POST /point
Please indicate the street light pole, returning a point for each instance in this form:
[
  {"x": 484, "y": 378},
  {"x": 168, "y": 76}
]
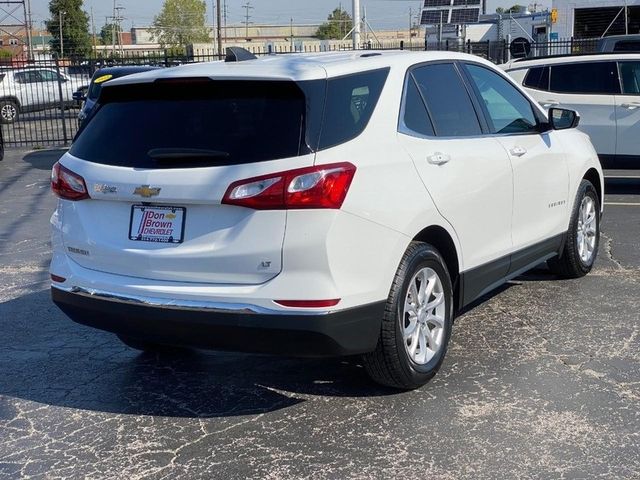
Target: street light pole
[
  {"x": 356, "y": 24},
  {"x": 60, "y": 14}
]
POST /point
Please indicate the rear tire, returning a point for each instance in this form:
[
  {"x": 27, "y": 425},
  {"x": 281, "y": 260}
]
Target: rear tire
[
  {"x": 9, "y": 111},
  {"x": 583, "y": 237},
  {"x": 417, "y": 321}
]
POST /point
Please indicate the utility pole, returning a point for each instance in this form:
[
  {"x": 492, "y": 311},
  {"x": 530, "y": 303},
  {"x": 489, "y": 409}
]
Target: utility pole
[
  {"x": 118, "y": 21},
  {"x": 292, "y": 46},
  {"x": 356, "y": 24},
  {"x": 410, "y": 27},
  {"x": 93, "y": 31},
  {"x": 113, "y": 29},
  {"x": 11, "y": 14},
  {"x": 219, "y": 18},
  {"x": 60, "y": 14},
  {"x": 247, "y": 6}
]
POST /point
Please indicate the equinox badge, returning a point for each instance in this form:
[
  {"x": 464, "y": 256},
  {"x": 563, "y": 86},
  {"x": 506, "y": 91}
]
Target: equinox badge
[{"x": 146, "y": 191}]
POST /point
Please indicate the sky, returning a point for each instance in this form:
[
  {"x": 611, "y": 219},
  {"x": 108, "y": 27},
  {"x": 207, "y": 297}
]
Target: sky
[{"x": 382, "y": 14}]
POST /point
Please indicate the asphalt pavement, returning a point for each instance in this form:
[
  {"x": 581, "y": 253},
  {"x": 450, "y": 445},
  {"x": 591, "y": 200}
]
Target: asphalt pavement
[{"x": 542, "y": 380}]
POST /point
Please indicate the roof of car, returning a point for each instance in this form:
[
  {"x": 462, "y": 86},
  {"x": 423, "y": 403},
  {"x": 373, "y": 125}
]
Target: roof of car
[
  {"x": 298, "y": 67},
  {"x": 585, "y": 57},
  {"x": 123, "y": 70}
]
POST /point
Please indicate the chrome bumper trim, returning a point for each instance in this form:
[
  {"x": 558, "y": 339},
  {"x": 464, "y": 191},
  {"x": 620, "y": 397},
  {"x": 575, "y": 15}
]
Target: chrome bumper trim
[{"x": 193, "y": 305}]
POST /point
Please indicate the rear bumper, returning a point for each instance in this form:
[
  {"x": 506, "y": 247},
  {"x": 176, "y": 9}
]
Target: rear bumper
[{"x": 346, "y": 332}]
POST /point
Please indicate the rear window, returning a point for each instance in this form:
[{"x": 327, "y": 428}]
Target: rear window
[
  {"x": 211, "y": 122},
  {"x": 627, "y": 46},
  {"x": 215, "y": 122}
]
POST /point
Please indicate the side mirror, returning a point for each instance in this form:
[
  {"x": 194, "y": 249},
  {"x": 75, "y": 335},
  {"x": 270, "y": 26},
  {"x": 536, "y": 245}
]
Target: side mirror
[
  {"x": 79, "y": 96},
  {"x": 562, "y": 119}
]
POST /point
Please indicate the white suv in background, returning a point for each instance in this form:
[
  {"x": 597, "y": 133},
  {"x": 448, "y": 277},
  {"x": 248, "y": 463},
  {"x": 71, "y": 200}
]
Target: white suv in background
[
  {"x": 313, "y": 205},
  {"x": 34, "y": 89},
  {"x": 604, "y": 89}
]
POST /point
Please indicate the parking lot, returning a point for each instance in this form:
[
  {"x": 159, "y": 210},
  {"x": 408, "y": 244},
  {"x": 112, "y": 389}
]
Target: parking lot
[{"x": 542, "y": 380}]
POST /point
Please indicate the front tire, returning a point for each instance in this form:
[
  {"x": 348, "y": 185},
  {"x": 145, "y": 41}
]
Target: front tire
[
  {"x": 583, "y": 237},
  {"x": 417, "y": 322}
]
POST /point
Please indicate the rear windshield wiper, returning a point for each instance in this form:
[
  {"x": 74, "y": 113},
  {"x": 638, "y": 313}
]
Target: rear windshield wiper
[{"x": 185, "y": 153}]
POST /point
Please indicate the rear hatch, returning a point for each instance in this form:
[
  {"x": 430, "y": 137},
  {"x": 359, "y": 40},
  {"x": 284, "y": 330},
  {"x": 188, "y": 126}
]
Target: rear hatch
[{"x": 157, "y": 160}]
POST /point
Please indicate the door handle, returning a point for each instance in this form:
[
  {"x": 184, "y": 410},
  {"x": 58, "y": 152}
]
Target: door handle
[
  {"x": 549, "y": 103},
  {"x": 631, "y": 105},
  {"x": 438, "y": 158},
  {"x": 518, "y": 151}
]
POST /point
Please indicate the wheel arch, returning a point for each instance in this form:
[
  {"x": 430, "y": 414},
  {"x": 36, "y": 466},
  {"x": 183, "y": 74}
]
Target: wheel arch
[
  {"x": 444, "y": 242},
  {"x": 13, "y": 99},
  {"x": 593, "y": 176}
]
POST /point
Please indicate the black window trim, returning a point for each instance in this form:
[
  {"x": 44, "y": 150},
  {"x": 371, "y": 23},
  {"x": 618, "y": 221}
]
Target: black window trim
[
  {"x": 402, "y": 127},
  {"x": 560, "y": 64},
  {"x": 542, "y": 122}
]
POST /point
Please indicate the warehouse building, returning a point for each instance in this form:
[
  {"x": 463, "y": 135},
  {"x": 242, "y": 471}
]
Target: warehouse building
[{"x": 596, "y": 18}]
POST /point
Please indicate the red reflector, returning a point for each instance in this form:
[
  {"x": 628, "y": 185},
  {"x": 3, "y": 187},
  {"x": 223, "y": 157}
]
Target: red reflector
[
  {"x": 308, "y": 303},
  {"x": 58, "y": 279},
  {"x": 67, "y": 184},
  {"x": 321, "y": 186}
]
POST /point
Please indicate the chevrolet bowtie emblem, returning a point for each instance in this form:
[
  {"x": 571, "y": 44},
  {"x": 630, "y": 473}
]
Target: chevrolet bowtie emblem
[{"x": 146, "y": 191}]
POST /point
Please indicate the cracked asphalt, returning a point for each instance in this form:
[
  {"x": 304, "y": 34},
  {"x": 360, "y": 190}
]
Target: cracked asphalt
[{"x": 542, "y": 380}]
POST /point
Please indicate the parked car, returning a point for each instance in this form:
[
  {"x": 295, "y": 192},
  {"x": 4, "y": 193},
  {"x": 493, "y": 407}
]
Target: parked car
[
  {"x": 33, "y": 89},
  {"x": 604, "y": 89},
  {"x": 88, "y": 96},
  {"x": 329, "y": 204},
  {"x": 619, "y": 43}
]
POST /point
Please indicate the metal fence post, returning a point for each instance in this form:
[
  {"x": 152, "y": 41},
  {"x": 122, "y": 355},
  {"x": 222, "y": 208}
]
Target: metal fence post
[{"x": 64, "y": 123}]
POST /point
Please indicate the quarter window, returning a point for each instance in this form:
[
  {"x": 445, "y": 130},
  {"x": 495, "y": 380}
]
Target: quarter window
[
  {"x": 630, "y": 73},
  {"x": 538, "y": 78},
  {"x": 508, "y": 111},
  {"x": 586, "y": 77},
  {"x": 448, "y": 101}
]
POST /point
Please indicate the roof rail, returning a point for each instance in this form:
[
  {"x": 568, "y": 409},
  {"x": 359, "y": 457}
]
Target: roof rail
[
  {"x": 568, "y": 55},
  {"x": 239, "y": 54}
]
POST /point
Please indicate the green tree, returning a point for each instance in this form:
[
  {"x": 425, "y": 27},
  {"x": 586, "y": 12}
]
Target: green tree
[
  {"x": 75, "y": 28},
  {"x": 514, "y": 9},
  {"x": 181, "y": 23},
  {"x": 338, "y": 24},
  {"x": 106, "y": 33}
]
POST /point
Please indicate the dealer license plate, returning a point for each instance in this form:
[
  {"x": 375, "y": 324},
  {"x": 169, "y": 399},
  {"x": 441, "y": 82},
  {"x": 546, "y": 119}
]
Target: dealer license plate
[{"x": 157, "y": 224}]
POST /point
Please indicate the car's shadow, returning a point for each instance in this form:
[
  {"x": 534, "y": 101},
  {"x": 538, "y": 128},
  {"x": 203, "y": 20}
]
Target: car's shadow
[
  {"x": 44, "y": 159},
  {"x": 622, "y": 186},
  {"x": 46, "y": 358}
]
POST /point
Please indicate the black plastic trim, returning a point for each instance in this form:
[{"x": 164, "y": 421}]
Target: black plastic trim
[
  {"x": 481, "y": 280},
  {"x": 346, "y": 332}
]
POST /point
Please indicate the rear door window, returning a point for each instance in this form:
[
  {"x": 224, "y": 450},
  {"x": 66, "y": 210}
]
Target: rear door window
[
  {"x": 448, "y": 101},
  {"x": 195, "y": 123},
  {"x": 585, "y": 77}
]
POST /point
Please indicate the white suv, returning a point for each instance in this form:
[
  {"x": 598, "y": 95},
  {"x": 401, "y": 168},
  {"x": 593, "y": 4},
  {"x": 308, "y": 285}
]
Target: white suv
[
  {"x": 330, "y": 204},
  {"x": 604, "y": 89},
  {"x": 34, "y": 89}
]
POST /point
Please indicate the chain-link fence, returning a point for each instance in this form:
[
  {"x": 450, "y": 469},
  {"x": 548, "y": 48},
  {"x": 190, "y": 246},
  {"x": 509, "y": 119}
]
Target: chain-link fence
[{"x": 40, "y": 100}]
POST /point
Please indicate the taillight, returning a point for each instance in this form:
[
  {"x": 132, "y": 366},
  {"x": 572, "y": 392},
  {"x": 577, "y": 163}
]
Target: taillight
[
  {"x": 322, "y": 186},
  {"x": 67, "y": 184}
]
